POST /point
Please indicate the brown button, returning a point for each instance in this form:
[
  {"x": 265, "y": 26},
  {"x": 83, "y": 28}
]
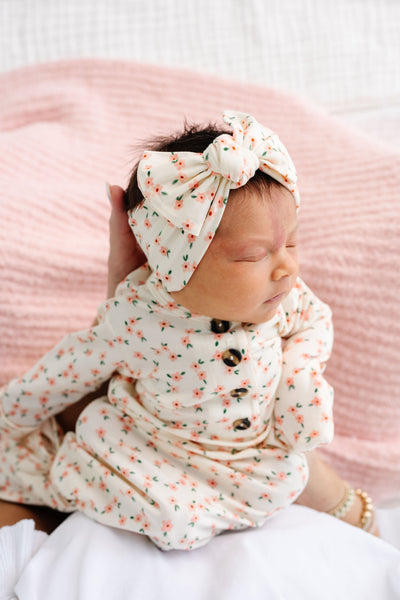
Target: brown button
[
  {"x": 218, "y": 326},
  {"x": 231, "y": 357},
  {"x": 241, "y": 424},
  {"x": 239, "y": 392}
]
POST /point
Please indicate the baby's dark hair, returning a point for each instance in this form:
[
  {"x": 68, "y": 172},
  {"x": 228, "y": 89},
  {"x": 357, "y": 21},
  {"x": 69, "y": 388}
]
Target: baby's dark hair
[{"x": 194, "y": 138}]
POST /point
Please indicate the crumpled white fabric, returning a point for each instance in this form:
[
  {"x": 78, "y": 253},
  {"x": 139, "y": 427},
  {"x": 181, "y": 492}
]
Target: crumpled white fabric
[
  {"x": 299, "y": 554},
  {"x": 17, "y": 546}
]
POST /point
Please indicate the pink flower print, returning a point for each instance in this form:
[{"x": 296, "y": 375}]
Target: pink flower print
[
  {"x": 166, "y": 526},
  {"x": 219, "y": 389},
  {"x": 125, "y": 472},
  {"x": 147, "y": 224},
  {"x": 146, "y": 525},
  {"x": 157, "y": 189},
  {"x": 176, "y": 376},
  {"x": 173, "y": 356},
  {"x": 201, "y": 198},
  {"x": 164, "y": 251},
  {"x": 292, "y": 410},
  {"x": 109, "y": 508},
  {"x": 226, "y": 403},
  {"x": 202, "y": 375},
  {"x": 101, "y": 432},
  {"x": 325, "y": 418},
  {"x": 149, "y": 182},
  {"x": 290, "y": 382},
  {"x": 186, "y": 341},
  {"x": 197, "y": 393},
  {"x": 190, "y": 238},
  {"x": 300, "y": 419},
  {"x": 176, "y": 404},
  {"x": 195, "y": 366},
  {"x": 264, "y": 496},
  {"x": 188, "y": 225},
  {"x": 209, "y": 237},
  {"x": 281, "y": 476},
  {"x": 195, "y": 184},
  {"x": 316, "y": 401},
  {"x": 213, "y": 483},
  {"x": 122, "y": 521},
  {"x": 178, "y": 203},
  {"x": 148, "y": 481}
]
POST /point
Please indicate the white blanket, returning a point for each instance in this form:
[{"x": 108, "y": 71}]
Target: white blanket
[{"x": 300, "y": 554}]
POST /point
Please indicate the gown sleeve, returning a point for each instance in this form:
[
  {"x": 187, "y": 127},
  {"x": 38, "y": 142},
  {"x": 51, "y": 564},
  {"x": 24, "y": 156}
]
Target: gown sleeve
[
  {"x": 304, "y": 399},
  {"x": 73, "y": 368}
]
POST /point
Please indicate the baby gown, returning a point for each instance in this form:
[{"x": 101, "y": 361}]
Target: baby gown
[{"x": 204, "y": 427}]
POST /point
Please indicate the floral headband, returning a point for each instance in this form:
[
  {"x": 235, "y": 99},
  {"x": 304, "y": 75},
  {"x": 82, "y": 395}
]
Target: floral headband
[{"x": 185, "y": 194}]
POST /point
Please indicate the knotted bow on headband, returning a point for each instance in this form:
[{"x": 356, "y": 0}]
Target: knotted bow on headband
[{"x": 186, "y": 192}]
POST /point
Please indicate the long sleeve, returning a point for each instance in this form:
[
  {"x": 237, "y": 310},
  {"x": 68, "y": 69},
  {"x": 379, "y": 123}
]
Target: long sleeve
[
  {"x": 304, "y": 399},
  {"x": 73, "y": 368}
]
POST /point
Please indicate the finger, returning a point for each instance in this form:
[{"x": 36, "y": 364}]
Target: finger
[{"x": 115, "y": 194}]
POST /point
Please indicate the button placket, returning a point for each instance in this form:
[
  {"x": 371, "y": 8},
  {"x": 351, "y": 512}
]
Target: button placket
[{"x": 239, "y": 371}]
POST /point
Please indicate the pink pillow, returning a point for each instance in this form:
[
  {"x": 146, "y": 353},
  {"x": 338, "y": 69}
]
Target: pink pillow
[{"x": 67, "y": 127}]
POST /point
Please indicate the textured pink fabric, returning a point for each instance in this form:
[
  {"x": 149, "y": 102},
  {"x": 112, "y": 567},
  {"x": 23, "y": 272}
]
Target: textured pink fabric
[{"x": 67, "y": 127}]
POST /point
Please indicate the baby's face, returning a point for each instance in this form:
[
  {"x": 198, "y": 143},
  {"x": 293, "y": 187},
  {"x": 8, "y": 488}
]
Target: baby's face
[{"x": 251, "y": 264}]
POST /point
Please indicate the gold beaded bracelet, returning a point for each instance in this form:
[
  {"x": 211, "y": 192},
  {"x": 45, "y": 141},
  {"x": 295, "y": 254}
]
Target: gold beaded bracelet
[
  {"x": 367, "y": 517},
  {"x": 342, "y": 508}
]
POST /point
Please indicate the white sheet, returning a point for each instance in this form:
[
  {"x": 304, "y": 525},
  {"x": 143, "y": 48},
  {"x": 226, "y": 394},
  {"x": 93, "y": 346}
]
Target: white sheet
[
  {"x": 300, "y": 554},
  {"x": 342, "y": 54}
]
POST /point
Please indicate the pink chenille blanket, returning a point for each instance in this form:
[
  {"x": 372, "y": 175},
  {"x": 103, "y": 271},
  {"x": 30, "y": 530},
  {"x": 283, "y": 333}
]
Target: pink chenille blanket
[{"x": 68, "y": 127}]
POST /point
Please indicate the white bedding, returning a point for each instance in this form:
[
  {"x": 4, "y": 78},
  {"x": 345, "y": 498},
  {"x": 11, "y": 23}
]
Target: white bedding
[
  {"x": 299, "y": 554},
  {"x": 344, "y": 55}
]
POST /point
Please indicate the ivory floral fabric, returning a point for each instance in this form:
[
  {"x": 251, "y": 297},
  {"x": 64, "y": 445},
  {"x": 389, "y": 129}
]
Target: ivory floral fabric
[{"x": 204, "y": 427}]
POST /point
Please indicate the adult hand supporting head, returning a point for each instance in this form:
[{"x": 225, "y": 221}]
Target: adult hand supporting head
[{"x": 125, "y": 254}]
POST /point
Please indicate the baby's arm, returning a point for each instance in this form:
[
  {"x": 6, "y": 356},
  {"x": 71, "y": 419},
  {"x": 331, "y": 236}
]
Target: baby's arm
[
  {"x": 304, "y": 399},
  {"x": 76, "y": 366}
]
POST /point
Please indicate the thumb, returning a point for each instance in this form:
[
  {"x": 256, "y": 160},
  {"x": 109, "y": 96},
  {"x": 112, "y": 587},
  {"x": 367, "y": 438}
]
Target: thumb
[{"x": 115, "y": 194}]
